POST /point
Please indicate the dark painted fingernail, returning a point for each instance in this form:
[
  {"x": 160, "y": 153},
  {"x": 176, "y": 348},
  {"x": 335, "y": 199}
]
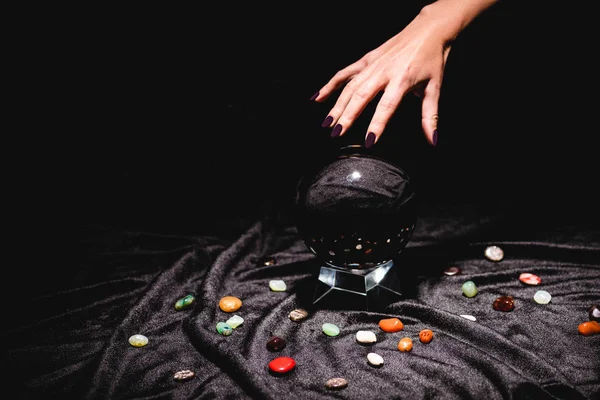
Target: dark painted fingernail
[
  {"x": 370, "y": 140},
  {"x": 327, "y": 121},
  {"x": 434, "y": 139},
  {"x": 314, "y": 96},
  {"x": 337, "y": 129}
]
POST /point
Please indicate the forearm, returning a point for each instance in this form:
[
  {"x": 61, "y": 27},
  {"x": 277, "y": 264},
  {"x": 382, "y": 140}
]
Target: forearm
[{"x": 454, "y": 15}]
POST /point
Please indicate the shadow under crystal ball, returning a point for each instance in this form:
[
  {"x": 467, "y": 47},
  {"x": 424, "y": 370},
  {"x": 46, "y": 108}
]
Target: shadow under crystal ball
[{"x": 356, "y": 211}]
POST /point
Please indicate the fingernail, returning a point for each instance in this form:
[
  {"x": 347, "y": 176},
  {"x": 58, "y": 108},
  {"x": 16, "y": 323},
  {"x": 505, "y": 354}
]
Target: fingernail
[
  {"x": 337, "y": 129},
  {"x": 327, "y": 122},
  {"x": 434, "y": 139},
  {"x": 370, "y": 140},
  {"x": 314, "y": 96}
]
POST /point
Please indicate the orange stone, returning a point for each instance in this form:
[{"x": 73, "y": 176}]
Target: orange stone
[
  {"x": 426, "y": 335},
  {"x": 391, "y": 325},
  {"x": 230, "y": 304},
  {"x": 589, "y": 328},
  {"x": 405, "y": 344}
]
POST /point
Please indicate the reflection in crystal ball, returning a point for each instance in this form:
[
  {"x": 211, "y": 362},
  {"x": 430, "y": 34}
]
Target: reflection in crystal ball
[{"x": 356, "y": 211}]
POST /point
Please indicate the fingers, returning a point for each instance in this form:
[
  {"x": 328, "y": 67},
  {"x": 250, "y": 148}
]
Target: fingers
[
  {"x": 389, "y": 102},
  {"x": 340, "y": 78},
  {"x": 429, "y": 111}
]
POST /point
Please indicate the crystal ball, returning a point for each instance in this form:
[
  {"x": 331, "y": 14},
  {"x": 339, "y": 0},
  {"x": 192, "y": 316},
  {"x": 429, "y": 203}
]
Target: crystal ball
[{"x": 355, "y": 211}]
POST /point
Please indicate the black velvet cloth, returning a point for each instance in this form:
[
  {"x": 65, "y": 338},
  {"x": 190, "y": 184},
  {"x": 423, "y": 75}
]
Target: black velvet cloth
[{"x": 197, "y": 128}]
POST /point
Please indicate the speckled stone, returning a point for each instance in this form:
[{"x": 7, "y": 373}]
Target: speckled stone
[
  {"x": 235, "y": 321},
  {"x": 504, "y": 303},
  {"x": 594, "y": 313},
  {"x": 224, "y": 329},
  {"x": 330, "y": 329},
  {"x": 277, "y": 285},
  {"x": 366, "y": 337},
  {"x": 336, "y": 383},
  {"x": 542, "y": 297},
  {"x": 453, "y": 270},
  {"x": 298, "y": 314},
  {"x": 282, "y": 365},
  {"x": 230, "y": 304},
  {"x": 276, "y": 343},
  {"x": 530, "y": 279},
  {"x": 426, "y": 336},
  {"x": 185, "y": 302},
  {"x": 494, "y": 253},
  {"x": 184, "y": 375},
  {"x": 405, "y": 344},
  {"x": 375, "y": 359},
  {"x": 469, "y": 289},
  {"x": 138, "y": 340}
]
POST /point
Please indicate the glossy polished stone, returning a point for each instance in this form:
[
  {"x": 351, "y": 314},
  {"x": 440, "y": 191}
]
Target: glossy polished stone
[
  {"x": 138, "y": 340},
  {"x": 504, "y": 303},
  {"x": 277, "y": 285},
  {"x": 298, "y": 314},
  {"x": 589, "y": 328},
  {"x": 336, "y": 383},
  {"x": 391, "y": 325},
  {"x": 469, "y": 289},
  {"x": 426, "y": 335},
  {"x": 375, "y": 359},
  {"x": 469, "y": 317},
  {"x": 235, "y": 321},
  {"x": 230, "y": 304},
  {"x": 184, "y": 375},
  {"x": 276, "y": 343},
  {"x": 594, "y": 313},
  {"x": 530, "y": 279},
  {"x": 494, "y": 253},
  {"x": 282, "y": 365},
  {"x": 366, "y": 337},
  {"x": 451, "y": 271},
  {"x": 542, "y": 297},
  {"x": 330, "y": 329},
  {"x": 224, "y": 329},
  {"x": 405, "y": 344},
  {"x": 185, "y": 302}
]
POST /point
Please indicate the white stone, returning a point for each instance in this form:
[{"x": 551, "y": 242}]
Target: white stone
[
  {"x": 375, "y": 359},
  {"x": 366, "y": 337},
  {"x": 542, "y": 297},
  {"x": 277, "y": 285},
  {"x": 469, "y": 317},
  {"x": 494, "y": 253},
  {"x": 138, "y": 340},
  {"x": 235, "y": 321}
]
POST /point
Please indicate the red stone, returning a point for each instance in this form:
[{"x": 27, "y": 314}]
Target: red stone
[
  {"x": 504, "y": 303},
  {"x": 281, "y": 365},
  {"x": 530, "y": 279}
]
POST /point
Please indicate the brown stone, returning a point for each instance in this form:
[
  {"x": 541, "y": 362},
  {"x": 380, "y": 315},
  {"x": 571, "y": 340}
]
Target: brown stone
[
  {"x": 298, "y": 314},
  {"x": 230, "y": 304},
  {"x": 405, "y": 344},
  {"x": 184, "y": 375},
  {"x": 391, "y": 325},
  {"x": 336, "y": 383},
  {"x": 504, "y": 303},
  {"x": 426, "y": 335}
]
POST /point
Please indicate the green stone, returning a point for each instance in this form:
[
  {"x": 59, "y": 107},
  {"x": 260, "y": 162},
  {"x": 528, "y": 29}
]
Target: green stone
[
  {"x": 224, "y": 329},
  {"x": 185, "y": 302},
  {"x": 331, "y": 329},
  {"x": 234, "y": 321},
  {"x": 469, "y": 289},
  {"x": 277, "y": 285}
]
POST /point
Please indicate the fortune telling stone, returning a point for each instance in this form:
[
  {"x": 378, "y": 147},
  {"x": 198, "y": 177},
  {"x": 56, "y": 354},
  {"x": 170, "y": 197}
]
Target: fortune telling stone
[
  {"x": 375, "y": 359},
  {"x": 504, "y": 303},
  {"x": 469, "y": 289},
  {"x": 469, "y": 317},
  {"x": 494, "y": 253},
  {"x": 230, "y": 304},
  {"x": 594, "y": 313},
  {"x": 277, "y": 285},
  {"x": 366, "y": 337},
  {"x": 450, "y": 271},
  {"x": 405, "y": 344},
  {"x": 336, "y": 383},
  {"x": 224, "y": 329},
  {"x": 298, "y": 314},
  {"x": 542, "y": 297},
  {"x": 426, "y": 335},
  {"x": 185, "y": 302},
  {"x": 282, "y": 365},
  {"x": 138, "y": 340},
  {"x": 235, "y": 321},
  {"x": 589, "y": 328},
  {"x": 391, "y": 325},
  {"x": 530, "y": 279},
  {"x": 276, "y": 344},
  {"x": 184, "y": 375},
  {"x": 330, "y": 329}
]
